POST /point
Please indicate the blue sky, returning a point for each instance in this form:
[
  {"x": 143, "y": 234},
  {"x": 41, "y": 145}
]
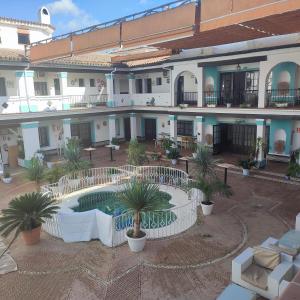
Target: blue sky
[{"x": 69, "y": 15}]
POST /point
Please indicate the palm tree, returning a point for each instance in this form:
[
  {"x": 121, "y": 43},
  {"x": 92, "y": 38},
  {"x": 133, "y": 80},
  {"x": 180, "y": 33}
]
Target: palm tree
[
  {"x": 26, "y": 213},
  {"x": 205, "y": 163},
  {"x": 140, "y": 196}
]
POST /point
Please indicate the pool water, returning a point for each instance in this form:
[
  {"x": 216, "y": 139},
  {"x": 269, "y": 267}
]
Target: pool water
[{"x": 109, "y": 203}]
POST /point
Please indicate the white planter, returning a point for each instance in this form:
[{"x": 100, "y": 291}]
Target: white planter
[
  {"x": 194, "y": 155},
  {"x": 207, "y": 209},
  {"x": 246, "y": 172},
  {"x": 117, "y": 147},
  {"x": 211, "y": 105},
  {"x": 136, "y": 245},
  {"x": 7, "y": 180},
  {"x": 281, "y": 104},
  {"x": 228, "y": 105},
  {"x": 174, "y": 162}
]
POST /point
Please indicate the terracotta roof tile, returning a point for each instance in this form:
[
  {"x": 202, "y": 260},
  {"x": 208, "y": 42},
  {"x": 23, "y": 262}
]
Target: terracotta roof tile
[
  {"x": 12, "y": 55},
  {"x": 86, "y": 60},
  {"x": 148, "y": 61}
]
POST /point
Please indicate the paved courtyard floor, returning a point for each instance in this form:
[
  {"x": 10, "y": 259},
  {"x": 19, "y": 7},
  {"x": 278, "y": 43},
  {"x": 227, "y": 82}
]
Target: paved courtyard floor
[{"x": 193, "y": 265}]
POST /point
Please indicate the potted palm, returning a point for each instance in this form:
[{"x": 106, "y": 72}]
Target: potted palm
[
  {"x": 210, "y": 187},
  {"x": 139, "y": 197},
  {"x": 173, "y": 155},
  {"x": 26, "y": 214},
  {"x": 35, "y": 171},
  {"x": 6, "y": 177}
]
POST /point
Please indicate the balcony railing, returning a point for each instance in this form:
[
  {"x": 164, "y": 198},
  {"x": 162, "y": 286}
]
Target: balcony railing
[
  {"x": 243, "y": 98},
  {"x": 16, "y": 104},
  {"x": 190, "y": 98},
  {"x": 283, "y": 97}
]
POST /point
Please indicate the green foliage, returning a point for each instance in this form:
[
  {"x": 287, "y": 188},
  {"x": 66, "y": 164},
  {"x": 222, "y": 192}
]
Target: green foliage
[
  {"x": 81, "y": 165},
  {"x": 173, "y": 153},
  {"x": 205, "y": 163},
  {"x": 54, "y": 174},
  {"x": 6, "y": 174},
  {"x": 293, "y": 169},
  {"x": 115, "y": 141},
  {"x": 136, "y": 153},
  {"x": 35, "y": 171},
  {"x": 166, "y": 143},
  {"x": 138, "y": 197},
  {"x": 246, "y": 164},
  {"x": 72, "y": 151},
  {"x": 21, "y": 151},
  {"x": 212, "y": 186},
  {"x": 26, "y": 213}
]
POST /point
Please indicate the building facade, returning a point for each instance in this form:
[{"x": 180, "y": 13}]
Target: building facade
[{"x": 226, "y": 97}]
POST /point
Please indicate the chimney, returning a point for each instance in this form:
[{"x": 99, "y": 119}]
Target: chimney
[{"x": 44, "y": 15}]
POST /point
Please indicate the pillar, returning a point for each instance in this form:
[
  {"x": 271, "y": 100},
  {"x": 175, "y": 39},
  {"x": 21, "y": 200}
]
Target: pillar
[
  {"x": 131, "y": 82},
  {"x": 200, "y": 87},
  {"x": 112, "y": 127},
  {"x": 25, "y": 85},
  {"x": 110, "y": 89},
  {"x": 31, "y": 140},
  {"x": 67, "y": 130},
  {"x": 133, "y": 126},
  {"x": 173, "y": 128},
  {"x": 260, "y": 136},
  {"x": 200, "y": 129},
  {"x": 63, "y": 82},
  {"x": 263, "y": 74}
]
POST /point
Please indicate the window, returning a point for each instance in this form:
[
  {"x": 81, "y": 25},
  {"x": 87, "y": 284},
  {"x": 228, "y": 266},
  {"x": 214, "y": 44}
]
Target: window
[
  {"x": 92, "y": 82},
  {"x": 2, "y": 87},
  {"x": 185, "y": 128},
  {"x": 81, "y": 82},
  {"x": 23, "y": 38},
  {"x": 158, "y": 81},
  {"x": 252, "y": 81},
  {"x": 139, "y": 86},
  {"x": 148, "y": 83},
  {"x": 118, "y": 127},
  {"x": 40, "y": 88},
  {"x": 44, "y": 136}
]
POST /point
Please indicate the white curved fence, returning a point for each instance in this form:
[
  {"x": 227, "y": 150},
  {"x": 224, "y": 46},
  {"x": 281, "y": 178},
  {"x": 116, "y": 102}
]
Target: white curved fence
[{"x": 175, "y": 220}]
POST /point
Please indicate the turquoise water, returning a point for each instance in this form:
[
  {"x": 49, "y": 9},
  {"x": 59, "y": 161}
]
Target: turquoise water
[{"x": 109, "y": 203}]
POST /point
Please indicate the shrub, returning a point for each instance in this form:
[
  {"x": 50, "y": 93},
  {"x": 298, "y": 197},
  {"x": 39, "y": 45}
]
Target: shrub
[
  {"x": 136, "y": 153},
  {"x": 54, "y": 174}
]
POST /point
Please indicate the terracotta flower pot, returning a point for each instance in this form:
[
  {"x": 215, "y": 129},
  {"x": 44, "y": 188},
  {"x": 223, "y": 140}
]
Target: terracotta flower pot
[{"x": 32, "y": 237}]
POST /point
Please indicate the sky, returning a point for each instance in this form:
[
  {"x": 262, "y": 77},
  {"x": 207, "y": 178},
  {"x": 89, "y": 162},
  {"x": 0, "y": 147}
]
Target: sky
[{"x": 70, "y": 15}]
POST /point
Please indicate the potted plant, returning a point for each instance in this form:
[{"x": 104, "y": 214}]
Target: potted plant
[
  {"x": 209, "y": 187},
  {"x": 246, "y": 164},
  {"x": 115, "y": 142},
  {"x": 173, "y": 155},
  {"x": 155, "y": 156},
  {"x": 26, "y": 214},
  {"x": 228, "y": 104},
  {"x": 21, "y": 152},
  {"x": 139, "y": 197},
  {"x": 166, "y": 144},
  {"x": 6, "y": 177},
  {"x": 35, "y": 171},
  {"x": 194, "y": 147},
  {"x": 136, "y": 153}
]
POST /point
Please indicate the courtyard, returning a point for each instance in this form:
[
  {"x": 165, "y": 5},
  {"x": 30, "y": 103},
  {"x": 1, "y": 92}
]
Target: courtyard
[{"x": 195, "y": 264}]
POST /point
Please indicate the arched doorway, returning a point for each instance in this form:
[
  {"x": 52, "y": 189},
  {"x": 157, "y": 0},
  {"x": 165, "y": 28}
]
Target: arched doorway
[
  {"x": 186, "y": 89},
  {"x": 283, "y": 85}
]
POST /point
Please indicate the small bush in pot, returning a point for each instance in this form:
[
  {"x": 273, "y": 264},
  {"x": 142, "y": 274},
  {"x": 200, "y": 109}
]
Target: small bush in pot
[
  {"x": 6, "y": 177},
  {"x": 173, "y": 155},
  {"x": 35, "y": 171},
  {"x": 246, "y": 164},
  {"x": 139, "y": 196},
  {"x": 116, "y": 143},
  {"x": 54, "y": 174},
  {"x": 25, "y": 214}
]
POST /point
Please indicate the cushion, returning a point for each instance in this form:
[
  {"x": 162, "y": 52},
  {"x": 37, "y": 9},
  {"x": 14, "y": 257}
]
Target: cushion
[
  {"x": 291, "y": 252},
  {"x": 290, "y": 240},
  {"x": 257, "y": 276},
  {"x": 266, "y": 258}
]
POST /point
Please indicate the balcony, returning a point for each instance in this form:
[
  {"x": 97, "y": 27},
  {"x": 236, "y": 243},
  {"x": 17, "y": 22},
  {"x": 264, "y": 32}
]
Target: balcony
[
  {"x": 281, "y": 98},
  {"x": 187, "y": 98},
  {"x": 16, "y": 104},
  {"x": 238, "y": 98}
]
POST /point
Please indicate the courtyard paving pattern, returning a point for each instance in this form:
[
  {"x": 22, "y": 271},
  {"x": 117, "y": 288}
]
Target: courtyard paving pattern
[{"x": 193, "y": 265}]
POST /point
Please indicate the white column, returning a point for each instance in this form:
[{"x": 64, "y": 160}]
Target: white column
[
  {"x": 63, "y": 82},
  {"x": 200, "y": 129},
  {"x": 200, "y": 87},
  {"x": 67, "y": 130},
  {"x": 112, "y": 126},
  {"x": 133, "y": 133},
  {"x": 263, "y": 74},
  {"x": 260, "y": 136},
  {"x": 25, "y": 85},
  {"x": 173, "y": 127},
  {"x": 110, "y": 90},
  {"x": 30, "y": 134},
  {"x": 131, "y": 82}
]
